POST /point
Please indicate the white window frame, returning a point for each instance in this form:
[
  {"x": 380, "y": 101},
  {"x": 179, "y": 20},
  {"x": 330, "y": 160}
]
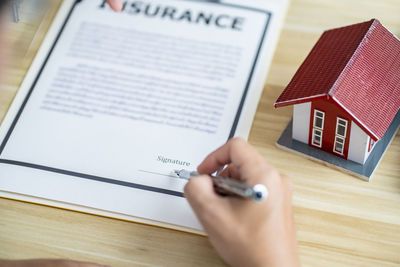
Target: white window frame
[
  {"x": 316, "y": 128},
  {"x": 339, "y": 136},
  {"x": 320, "y": 137},
  {"x": 371, "y": 144}
]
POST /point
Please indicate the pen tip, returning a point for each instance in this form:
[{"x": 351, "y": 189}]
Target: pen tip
[{"x": 177, "y": 172}]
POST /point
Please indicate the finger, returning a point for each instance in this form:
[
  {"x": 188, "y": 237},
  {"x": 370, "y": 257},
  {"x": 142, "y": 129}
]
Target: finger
[
  {"x": 253, "y": 170},
  {"x": 251, "y": 174},
  {"x": 231, "y": 171},
  {"x": 235, "y": 151},
  {"x": 116, "y": 5}
]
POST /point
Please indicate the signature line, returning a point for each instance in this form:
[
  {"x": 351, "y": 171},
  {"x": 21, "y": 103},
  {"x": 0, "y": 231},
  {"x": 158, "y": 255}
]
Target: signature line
[{"x": 162, "y": 174}]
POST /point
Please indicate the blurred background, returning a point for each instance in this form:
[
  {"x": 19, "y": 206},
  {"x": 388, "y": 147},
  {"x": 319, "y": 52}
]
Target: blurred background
[{"x": 23, "y": 39}]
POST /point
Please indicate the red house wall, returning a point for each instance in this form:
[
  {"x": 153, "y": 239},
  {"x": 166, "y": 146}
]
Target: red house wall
[{"x": 332, "y": 111}]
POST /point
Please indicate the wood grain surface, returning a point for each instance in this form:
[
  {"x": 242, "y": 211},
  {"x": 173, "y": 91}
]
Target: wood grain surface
[{"x": 341, "y": 221}]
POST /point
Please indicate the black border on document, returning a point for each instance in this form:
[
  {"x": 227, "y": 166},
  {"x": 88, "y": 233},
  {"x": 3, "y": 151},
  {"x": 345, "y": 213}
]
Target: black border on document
[{"x": 113, "y": 181}]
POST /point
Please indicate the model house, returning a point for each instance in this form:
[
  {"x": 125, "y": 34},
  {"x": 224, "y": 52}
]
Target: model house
[{"x": 347, "y": 91}]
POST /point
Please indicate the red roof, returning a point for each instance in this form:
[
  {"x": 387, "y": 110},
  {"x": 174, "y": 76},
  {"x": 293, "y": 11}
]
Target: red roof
[{"x": 358, "y": 66}]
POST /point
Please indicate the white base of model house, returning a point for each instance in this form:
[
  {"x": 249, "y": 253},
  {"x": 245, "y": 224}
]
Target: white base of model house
[{"x": 362, "y": 171}]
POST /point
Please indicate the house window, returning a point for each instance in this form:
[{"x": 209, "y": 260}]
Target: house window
[
  {"x": 318, "y": 128},
  {"x": 371, "y": 144},
  {"x": 340, "y": 136}
]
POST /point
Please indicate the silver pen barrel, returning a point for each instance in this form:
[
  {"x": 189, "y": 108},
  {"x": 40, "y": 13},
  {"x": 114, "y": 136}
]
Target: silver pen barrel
[
  {"x": 14, "y": 8},
  {"x": 229, "y": 186}
]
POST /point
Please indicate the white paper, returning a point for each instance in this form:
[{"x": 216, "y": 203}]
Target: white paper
[{"x": 125, "y": 98}]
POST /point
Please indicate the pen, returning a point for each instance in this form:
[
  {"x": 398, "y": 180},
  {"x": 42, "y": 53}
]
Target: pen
[
  {"x": 14, "y": 8},
  {"x": 229, "y": 186}
]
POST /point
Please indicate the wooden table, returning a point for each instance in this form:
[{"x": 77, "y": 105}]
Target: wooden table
[{"x": 341, "y": 221}]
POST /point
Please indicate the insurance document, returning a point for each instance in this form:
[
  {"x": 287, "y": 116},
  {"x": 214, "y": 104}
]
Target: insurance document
[{"x": 115, "y": 102}]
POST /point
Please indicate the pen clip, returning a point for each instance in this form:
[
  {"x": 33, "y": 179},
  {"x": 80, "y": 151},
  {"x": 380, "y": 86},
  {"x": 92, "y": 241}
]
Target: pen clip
[
  {"x": 15, "y": 10},
  {"x": 229, "y": 187},
  {"x": 222, "y": 192}
]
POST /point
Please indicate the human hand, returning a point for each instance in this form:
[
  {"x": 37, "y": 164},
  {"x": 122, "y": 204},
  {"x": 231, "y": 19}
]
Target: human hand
[
  {"x": 46, "y": 263},
  {"x": 243, "y": 232},
  {"x": 116, "y": 5}
]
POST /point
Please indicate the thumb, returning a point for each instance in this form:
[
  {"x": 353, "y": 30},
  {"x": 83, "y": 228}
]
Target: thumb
[{"x": 116, "y": 5}]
